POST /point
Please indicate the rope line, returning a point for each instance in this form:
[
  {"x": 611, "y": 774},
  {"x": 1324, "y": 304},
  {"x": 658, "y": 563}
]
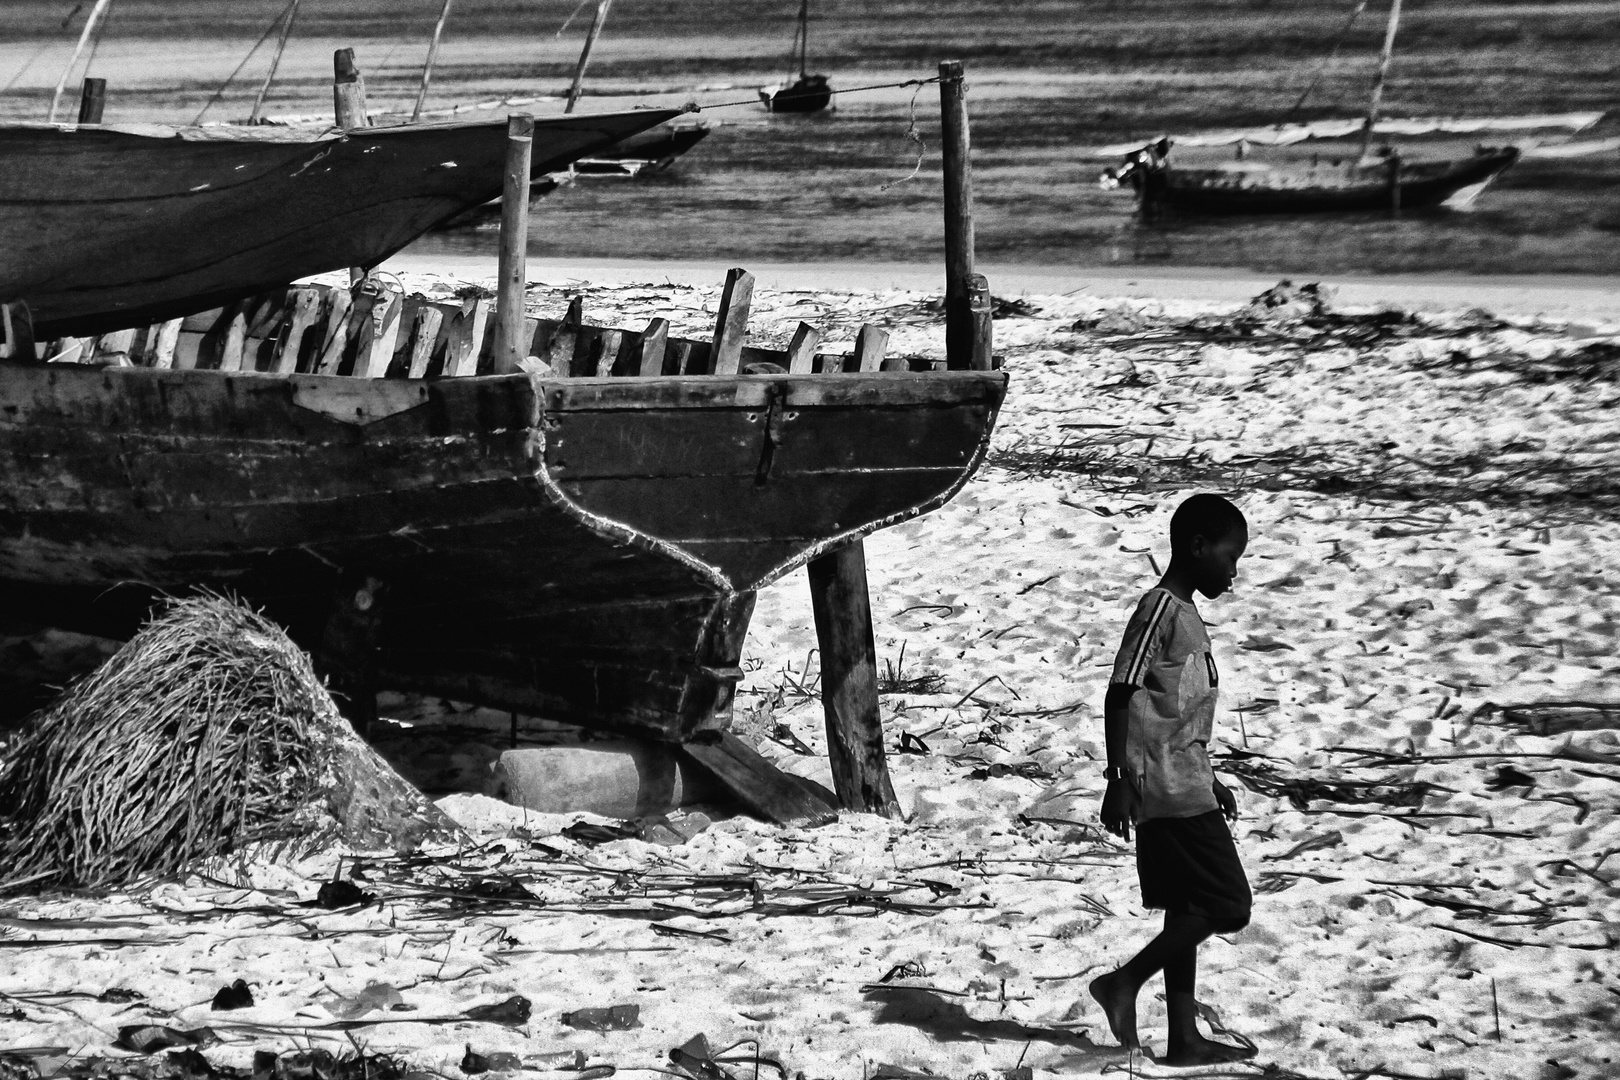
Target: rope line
[
  {"x": 912, "y": 134},
  {"x": 695, "y": 107},
  {"x": 268, "y": 30}
]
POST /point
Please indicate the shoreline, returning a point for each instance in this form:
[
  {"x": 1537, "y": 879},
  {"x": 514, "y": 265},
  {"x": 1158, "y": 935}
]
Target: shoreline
[{"x": 1560, "y": 296}]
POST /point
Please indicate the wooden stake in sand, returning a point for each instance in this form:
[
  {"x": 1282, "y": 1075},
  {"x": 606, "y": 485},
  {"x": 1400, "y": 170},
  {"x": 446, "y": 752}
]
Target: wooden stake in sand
[
  {"x": 967, "y": 303},
  {"x": 511, "y": 343}
]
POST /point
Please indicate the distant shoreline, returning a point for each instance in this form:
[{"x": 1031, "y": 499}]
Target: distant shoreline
[{"x": 1561, "y": 296}]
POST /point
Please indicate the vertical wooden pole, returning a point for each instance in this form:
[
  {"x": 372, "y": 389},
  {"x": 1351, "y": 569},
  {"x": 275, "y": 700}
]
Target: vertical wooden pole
[
  {"x": 348, "y": 91},
  {"x": 802, "y": 349},
  {"x": 654, "y": 343},
  {"x": 962, "y": 345},
  {"x": 849, "y": 698},
  {"x": 432, "y": 58},
  {"x": 257, "y": 114},
  {"x": 511, "y": 345},
  {"x": 92, "y": 100},
  {"x": 870, "y": 346},
  {"x": 731, "y": 323},
  {"x": 90, "y": 24},
  {"x": 585, "y": 54}
]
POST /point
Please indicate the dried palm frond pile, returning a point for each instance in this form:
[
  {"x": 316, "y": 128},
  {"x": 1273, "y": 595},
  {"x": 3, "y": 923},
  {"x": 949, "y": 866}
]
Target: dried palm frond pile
[{"x": 209, "y": 730}]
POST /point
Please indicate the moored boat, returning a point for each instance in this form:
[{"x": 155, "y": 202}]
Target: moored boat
[
  {"x": 804, "y": 93},
  {"x": 106, "y": 227}
]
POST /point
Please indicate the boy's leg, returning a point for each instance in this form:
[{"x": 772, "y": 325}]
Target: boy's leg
[
  {"x": 1185, "y": 1045},
  {"x": 1116, "y": 992}
]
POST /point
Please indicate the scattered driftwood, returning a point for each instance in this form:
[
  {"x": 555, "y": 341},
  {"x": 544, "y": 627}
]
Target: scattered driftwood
[{"x": 206, "y": 732}]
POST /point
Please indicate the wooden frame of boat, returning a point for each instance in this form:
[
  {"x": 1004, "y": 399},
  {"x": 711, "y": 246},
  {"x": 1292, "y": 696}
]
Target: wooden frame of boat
[{"x": 582, "y": 540}]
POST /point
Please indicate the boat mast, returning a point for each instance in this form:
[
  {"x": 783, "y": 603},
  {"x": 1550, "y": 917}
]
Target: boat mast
[
  {"x": 96, "y": 15},
  {"x": 804, "y": 36},
  {"x": 1383, "y": 73},
  {"x": 432, "y": 58},
  {"x": 275, "y": 61},
  {"x": 585, "y": 53}
]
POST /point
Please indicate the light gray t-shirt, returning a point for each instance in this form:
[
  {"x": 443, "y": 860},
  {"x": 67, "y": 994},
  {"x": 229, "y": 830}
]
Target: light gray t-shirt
[{"x": 1166, "y": 655}]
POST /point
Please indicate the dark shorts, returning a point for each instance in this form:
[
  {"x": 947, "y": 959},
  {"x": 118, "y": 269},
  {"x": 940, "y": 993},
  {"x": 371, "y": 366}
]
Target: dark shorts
[{"x": 1191, "y": 864}]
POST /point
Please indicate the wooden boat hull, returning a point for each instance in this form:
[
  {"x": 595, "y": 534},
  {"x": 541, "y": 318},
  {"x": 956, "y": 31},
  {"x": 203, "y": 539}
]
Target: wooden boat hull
[
  {"x": 807, "y": 94},
  {"x": 105, "y": 228},
  {"x": 1306, "y": 190},
  {"x": 647, "y": 152},
  {"x": 587, "y": 549}
]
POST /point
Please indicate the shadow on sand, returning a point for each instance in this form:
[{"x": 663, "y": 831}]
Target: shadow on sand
[{"x": 948, "y": 1021}]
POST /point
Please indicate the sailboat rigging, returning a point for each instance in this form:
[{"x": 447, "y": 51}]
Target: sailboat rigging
[{"x": 806, "y": 93}]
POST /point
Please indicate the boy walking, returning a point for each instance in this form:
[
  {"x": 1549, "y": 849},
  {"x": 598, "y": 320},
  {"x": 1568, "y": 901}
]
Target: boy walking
[{"x": 1157, "y": 721}]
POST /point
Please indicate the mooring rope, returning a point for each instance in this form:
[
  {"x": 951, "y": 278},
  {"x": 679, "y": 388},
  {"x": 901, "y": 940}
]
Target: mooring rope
[
  {"x": 916, "y": 137},
  {"x": 268, "y": 30}
]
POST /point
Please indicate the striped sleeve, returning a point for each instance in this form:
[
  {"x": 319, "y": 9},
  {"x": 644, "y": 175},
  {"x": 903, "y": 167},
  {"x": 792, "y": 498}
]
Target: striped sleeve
[{"x": 1144, "y": 639}]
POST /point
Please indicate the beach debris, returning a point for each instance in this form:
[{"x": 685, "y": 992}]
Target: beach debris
[
  {"x": 150, "y": 1038},
  {"x": 495, "y": 1061},
  {"x": 604, "y": 1018},
  {"x": 206, "y": 732},
  {"x": 375, "y": 996},
  {"x": 341, "y": 894},
  {"x": 235, "y": 996},
  {"x": 1507, "y": 776}
]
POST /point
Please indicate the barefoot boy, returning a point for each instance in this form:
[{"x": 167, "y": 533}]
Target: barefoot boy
[{"x": 1157, "y": 719}]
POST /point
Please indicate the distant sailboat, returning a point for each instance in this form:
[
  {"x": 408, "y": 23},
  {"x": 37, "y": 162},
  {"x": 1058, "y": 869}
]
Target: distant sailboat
[
  {"x": 807, "y": 93},
  {"x": 1372, "y": 181}
]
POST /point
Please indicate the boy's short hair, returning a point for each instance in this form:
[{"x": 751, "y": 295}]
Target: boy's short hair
[{"x": 1206, "y": 515}]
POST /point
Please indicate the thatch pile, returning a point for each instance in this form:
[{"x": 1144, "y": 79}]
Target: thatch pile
[{"x": 208, "y": 731}]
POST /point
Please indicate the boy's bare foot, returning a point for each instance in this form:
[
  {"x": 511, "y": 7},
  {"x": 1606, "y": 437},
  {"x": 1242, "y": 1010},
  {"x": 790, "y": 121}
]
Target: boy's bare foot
[
  {"x": 1118, "y": 1003},
  {"x": 1201, "y": 1051}
]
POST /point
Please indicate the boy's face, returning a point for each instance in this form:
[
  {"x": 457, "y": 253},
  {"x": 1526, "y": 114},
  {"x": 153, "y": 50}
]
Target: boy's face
[{"x": 1215, "y": 561}]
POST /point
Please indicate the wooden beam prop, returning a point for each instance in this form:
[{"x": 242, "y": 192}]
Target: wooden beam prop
[
  {"x": 257, "y": 114},
  {"x": 575, "y": 88},
  {"x": 95, "y": 20},
  {"x": 306, "y": 309},
  {"x": 428, "y": 321},
  {"x": 560, "y": 349},
  {"x": 511, "y": 344},
  {"x": 963, "y": 350},
  {"x": 92, "y": 100},
  {"x": 760, "y": 786},
  {"x": 731, "y": 322},
  {"x": 348, "y": 91},
  {"x": 432, "y": 58},
  {"x": 849, "y": 697}
]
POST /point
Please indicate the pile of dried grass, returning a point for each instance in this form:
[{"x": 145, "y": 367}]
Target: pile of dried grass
[{"x": 195, "y": 738}]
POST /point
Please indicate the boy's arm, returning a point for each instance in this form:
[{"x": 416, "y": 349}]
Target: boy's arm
[{"x": 1121, "y": 801}]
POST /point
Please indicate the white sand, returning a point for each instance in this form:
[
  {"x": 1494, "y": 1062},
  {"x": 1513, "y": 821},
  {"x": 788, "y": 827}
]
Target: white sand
[{"x": 1375, "y": 625}]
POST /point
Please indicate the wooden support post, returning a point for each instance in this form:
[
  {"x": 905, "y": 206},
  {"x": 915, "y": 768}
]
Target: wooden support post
[
  {"x": 982, "y": 307},
  {"x": 92, "y": 100},
  {"x": 849, "y": 698},
  {"x": 654, "y": 341},
  {"x": 585, "y": 54},
  {"x": 801, "y": 352},
  {"x": 19, "y": 327},
  {"x": 257, "y": 114},
  {"x": 962, "y": 345},
  {"x": 337, "y": 333},
  {"x": 683, "y": 357},
  {"x": 234, "y": 338},
  {"x": 731, "y": 323},
  {"x": 348, "y": 91},
  {"x": 378, "y": 354},
  {"x": 425, "y": 336},
  {"x": 606, "y": 349},
  {"x": 113, "y": 349},
  {"x": 870, "y": 346},
  {"x": 511, "y": 345}
]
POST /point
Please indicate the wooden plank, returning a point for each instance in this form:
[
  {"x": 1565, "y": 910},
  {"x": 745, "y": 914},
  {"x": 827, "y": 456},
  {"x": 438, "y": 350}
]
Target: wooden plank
[
  {"x": 512, "y": 265},
  {"x": 560, "y": 348},
  {"x": 326, "y": 361},
  {"x": 464, "y": 337},
  {"x": 680, "y": 357},
  {"x": 849, "y": 697},
  {"x": 425, "y": 335},
  {"x": 233, "y": 339},
  {"x": 801, "y": 351},
  {"x": 377, "y": 350},
  {"x": 605, "y": 352},
  {"x": 19, "y": 328},
  {"x": 731, "y": 322},
  {"x": 879, "y": 388},
  {"x": 92, "y": 100},
  {"x": 168, "y": 336},
  {"x": 760, "y": 786},
  {"x": 871, "y": 344},
  {"x": 654, "y": 343},
  {"x": 306, "y": 309},
  {"x": 114, "y": 349}
]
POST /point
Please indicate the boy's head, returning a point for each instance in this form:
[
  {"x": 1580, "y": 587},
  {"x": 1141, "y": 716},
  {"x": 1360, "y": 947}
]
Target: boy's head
[{"x": 1207, "y": 537}]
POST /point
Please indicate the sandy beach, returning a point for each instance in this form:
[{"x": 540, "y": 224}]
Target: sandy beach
[{"x": 1431, "y": 505}]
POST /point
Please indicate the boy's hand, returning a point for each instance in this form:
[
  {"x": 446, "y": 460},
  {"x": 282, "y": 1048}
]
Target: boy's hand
[
  {"x": 1121, "y": 806},
  {"x": 1226, "y": 800}
]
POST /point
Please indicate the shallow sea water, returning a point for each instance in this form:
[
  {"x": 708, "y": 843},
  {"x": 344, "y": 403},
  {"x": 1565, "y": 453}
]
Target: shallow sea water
[{"x": 1046, "y": 80}]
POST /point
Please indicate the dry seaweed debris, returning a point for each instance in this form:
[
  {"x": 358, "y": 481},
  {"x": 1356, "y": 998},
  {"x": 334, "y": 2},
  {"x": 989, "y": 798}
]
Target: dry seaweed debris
[{"x": 208, "y": 731}]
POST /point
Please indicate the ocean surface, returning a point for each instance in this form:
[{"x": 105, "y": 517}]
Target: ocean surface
[{"x": 1048, "y": 82}]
